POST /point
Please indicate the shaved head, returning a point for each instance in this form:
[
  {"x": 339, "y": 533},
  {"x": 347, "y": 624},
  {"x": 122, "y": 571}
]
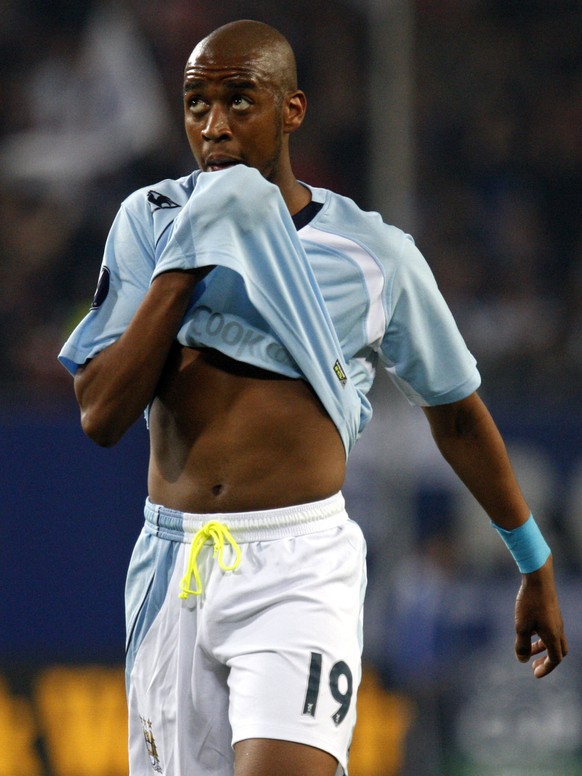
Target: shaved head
[{"x": 260, "y": 43}]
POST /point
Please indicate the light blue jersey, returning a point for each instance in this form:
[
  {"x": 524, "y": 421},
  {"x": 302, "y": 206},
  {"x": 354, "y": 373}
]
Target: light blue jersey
[{"x": 375, "y": 289}]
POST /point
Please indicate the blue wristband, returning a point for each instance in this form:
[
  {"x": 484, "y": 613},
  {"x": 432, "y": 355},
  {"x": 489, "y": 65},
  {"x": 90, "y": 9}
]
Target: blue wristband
[{"x": 527, "y": 545}]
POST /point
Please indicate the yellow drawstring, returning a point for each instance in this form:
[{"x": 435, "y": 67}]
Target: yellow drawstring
[{"x": 219, "y": 533}]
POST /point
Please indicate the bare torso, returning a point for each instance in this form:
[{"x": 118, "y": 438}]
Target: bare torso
[{"x": 227, "y": 437}]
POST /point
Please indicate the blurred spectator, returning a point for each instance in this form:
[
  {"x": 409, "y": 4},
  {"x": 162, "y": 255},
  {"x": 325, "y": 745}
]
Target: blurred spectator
[{"x": 93, "y": 101}]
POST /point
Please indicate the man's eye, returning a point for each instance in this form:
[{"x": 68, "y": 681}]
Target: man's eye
[
  {"x": 197, "y": 106},
  {"x": 241, "y": 103}
]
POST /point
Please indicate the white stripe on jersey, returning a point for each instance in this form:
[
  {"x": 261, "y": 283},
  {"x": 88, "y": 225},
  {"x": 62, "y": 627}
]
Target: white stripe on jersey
[{"x": 371, "y": 272}]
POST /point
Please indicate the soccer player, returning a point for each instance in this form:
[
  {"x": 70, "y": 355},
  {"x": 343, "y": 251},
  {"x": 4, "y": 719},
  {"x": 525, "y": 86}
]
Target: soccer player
[{"x": 246, "y": 312}]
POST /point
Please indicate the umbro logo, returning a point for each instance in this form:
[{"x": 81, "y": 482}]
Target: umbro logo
[
  {"x": 339, "y": 373},
  {"x": 160, "y": 201}
]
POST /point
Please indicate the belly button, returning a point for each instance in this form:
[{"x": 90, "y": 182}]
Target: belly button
[{"x": 216, "y": 490}]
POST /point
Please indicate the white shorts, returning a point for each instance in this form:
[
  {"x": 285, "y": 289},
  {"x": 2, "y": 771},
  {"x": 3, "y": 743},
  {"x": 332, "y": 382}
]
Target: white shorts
[{"x": 269, "y": 650}]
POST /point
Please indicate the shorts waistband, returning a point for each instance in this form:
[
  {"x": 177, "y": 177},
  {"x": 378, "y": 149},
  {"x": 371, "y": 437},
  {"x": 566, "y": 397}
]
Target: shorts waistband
[{"x": 297, "y": 520}]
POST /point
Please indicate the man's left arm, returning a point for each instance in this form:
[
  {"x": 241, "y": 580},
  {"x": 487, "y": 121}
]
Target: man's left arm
[{"x": 471, "y": 443}]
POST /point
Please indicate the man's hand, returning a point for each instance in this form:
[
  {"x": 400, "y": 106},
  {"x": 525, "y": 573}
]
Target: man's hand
[{"x": 537, "y": 612}]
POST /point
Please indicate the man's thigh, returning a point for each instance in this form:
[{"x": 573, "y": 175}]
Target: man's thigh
[{"x": 268, "y": 757}]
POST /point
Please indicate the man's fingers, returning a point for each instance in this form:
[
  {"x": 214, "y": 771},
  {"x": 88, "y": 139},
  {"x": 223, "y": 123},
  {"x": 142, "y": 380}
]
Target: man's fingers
[
  {"x": 537, "y": 647},
  {"x": 523, "y": 647},
  {"x": 556, "y": 653},
  {"x": 543, "y": 666}
]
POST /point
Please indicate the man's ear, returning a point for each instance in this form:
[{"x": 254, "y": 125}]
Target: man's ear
[{"x": 294, "y": 111}]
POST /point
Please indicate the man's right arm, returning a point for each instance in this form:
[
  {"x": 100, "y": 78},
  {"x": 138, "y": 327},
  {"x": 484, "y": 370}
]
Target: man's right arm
[{"x": 115, "y": 387}]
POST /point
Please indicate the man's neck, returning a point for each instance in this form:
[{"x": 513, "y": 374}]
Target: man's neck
[{"x": 296, "y": 196}]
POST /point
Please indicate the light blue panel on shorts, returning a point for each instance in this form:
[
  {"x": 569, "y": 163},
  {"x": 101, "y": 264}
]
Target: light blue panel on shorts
[{"x": 148, "y": 579}]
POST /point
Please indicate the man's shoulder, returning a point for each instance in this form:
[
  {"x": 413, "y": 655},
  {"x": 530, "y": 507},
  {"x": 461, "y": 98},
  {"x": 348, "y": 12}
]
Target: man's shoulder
[
  {"x": 341, "y": 216},
  {"x": 166, "y": 195}
]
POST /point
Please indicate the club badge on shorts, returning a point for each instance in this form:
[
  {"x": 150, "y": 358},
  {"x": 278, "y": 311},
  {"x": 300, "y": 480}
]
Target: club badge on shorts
[{"x": 151, "y": 747}]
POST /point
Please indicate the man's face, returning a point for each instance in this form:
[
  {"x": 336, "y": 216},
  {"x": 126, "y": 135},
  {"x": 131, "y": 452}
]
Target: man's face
[{"x": 232, "y": 113}]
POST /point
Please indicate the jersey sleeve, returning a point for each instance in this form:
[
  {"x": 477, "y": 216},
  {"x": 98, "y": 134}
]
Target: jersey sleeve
[
  {"x": 124, "y": 279},
  {"x": 423, "y": 350}
]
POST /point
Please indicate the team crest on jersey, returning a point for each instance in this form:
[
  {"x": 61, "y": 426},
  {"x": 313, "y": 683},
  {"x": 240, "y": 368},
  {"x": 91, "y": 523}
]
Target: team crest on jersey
[
  {"x": 151, "y": 747},
  {"x": 160, "y": 201},
  {"x": 102, "y": 289},
  {"x": 339, "y": 373}
]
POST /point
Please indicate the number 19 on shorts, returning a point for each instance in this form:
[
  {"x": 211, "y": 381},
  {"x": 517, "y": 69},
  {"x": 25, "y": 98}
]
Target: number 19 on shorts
[{"x": 341, "y": 685}]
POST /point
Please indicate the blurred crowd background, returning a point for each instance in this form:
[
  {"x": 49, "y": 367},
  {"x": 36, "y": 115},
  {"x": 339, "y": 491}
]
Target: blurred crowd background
[{"x": 91, "y": 110}]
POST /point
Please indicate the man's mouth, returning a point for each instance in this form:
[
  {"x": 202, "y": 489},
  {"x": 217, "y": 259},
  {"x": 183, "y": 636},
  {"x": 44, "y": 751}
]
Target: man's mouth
[{"x": 214, "y": 163}]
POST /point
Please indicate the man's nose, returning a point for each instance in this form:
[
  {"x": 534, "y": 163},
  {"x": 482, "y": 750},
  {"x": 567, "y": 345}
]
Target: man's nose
[{"x": 217, "y": 126}]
